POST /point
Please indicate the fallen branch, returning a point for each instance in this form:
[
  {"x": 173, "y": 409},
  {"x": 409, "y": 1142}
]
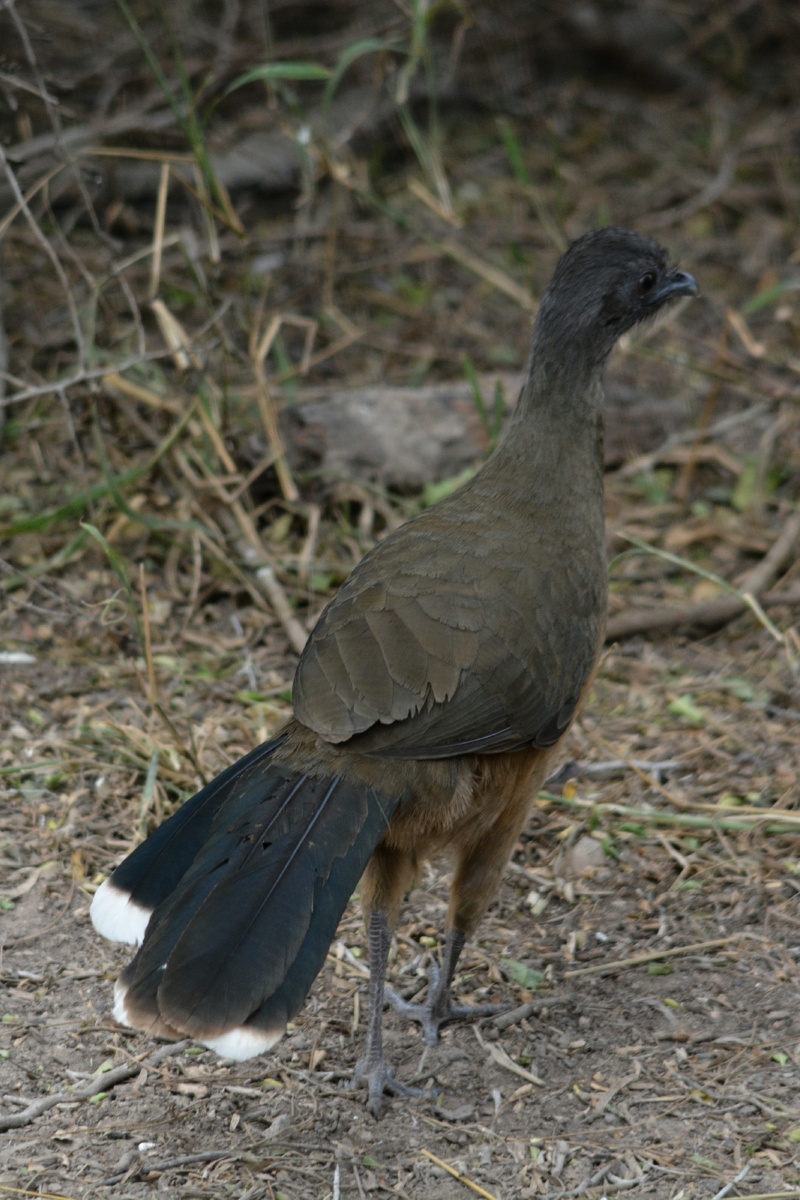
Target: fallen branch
[
  {"x": 637, "y": 960},
  {"x": 742, "y": 819},
  {"x": 98, "y": 1083},
  {"x": 707, "y": 613},
  {"x": 712, "y": 613},
  {"x": 277, "y": 597},
  {"x": 476, "y": 1187}
]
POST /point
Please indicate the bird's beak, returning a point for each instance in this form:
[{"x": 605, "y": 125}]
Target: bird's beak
[{"x": 677, "y": 283}]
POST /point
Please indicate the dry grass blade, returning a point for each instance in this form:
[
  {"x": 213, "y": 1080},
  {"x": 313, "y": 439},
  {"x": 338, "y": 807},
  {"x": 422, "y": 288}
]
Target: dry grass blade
[
  {"x": 475, "y": 1187},
  {"x": 638, "y": 960},
  {"x": 158, "y": 232},
  {"x": 175, "y": 337},
  {"x": 295, "y": 632},
  {"x": 259, "y": 349},
  {"x": 504, "y": 1060},
  {"x": 491, "y": 274}
]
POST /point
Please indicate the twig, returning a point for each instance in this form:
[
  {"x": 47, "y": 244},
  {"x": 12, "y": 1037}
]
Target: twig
[
  {"x": 729, "y": 1186},
  {"x": 98, "y": 1083},
  {"x": 718, "y": 612},
  {"x": 645, "y": 774},
  {"x": 505, "y": 1060},
  {"x": 491, "y": 274},
  {"x": 706, "y": 613},
  {"x": 617, "y": 766},
  {"x": 259, "y": 349},
  {"x": 11, "y": 1191},
  {"x": 707, "y": 195},
  {"x": 794, "y": 1194},
  {"x": 158, "y": 232},
  {"x": 282, "y": 608},
  {"x": 772, "y": 820},
  {"x": 170, "y": 1164},
  {"x": 476, "y": 1187},
  {"x": 778, "y": 555},
  {"x": 51, "y": 254},
  {"x": 507, "y": 1019},
  {"x": 682, "y": 437},
  {"x": 83, "y": 377},
  {"x": 684, "y": 482},
  {"x": 653, "y": 956},
  {"x": 152, "y": 688}
]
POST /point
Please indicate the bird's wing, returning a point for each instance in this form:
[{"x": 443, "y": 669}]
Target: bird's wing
[{"x": 442, "y": 643}]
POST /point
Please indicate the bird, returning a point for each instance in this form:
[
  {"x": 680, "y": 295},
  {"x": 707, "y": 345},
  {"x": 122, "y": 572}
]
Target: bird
[{"x": 428, "y": 704}]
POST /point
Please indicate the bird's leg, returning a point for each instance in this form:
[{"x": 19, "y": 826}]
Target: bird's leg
[
  {"x": 439, "y": 1007},
  {"x": 371, "y": 1069},
  {"x": 480, "y": 861}
]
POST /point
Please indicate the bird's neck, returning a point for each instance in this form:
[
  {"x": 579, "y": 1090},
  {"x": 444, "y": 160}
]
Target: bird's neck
[{"x": 556, "y": 429}]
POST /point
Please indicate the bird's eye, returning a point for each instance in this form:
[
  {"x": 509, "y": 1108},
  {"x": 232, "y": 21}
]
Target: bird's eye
[{"x": 647, "y": 282}]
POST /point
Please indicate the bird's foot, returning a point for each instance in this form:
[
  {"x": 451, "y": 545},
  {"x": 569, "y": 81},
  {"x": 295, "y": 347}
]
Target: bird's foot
[
  {"x": 377, "y": 1078},
  {"x": 439, "y": 1009}
]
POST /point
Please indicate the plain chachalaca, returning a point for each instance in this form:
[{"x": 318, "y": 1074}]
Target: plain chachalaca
[{"x": 428, "y": 703}]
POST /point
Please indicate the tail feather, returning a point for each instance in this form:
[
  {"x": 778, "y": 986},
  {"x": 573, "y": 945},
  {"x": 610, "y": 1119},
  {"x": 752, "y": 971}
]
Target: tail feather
[
  {"x": 231, "y": 952},
  {"x": 123, "y": 905}
]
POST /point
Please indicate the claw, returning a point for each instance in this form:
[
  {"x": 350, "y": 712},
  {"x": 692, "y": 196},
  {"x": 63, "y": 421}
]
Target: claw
[
  {"x": 378, "y": 1079},
  {"x": 371, "y": 1071},
  {"x": 439, "y": 1010}
]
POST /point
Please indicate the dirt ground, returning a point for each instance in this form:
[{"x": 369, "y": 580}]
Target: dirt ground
[
  {"x": 646, "y": 938},
  {"x": 667, "y": 1077}
]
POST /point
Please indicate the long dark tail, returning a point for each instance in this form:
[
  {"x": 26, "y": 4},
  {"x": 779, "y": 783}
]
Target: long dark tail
[{"x": 237, "y": 897}]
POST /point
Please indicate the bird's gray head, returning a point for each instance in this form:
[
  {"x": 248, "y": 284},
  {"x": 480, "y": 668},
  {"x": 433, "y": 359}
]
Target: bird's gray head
[{"x": 607, "y": 282}]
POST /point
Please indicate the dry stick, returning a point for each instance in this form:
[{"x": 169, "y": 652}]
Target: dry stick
[
  {"x": 776, "y": 557},
  {"x": 9, "y": 1191},
  {"x": 730, "y": 1186},
  {"x": 493, "y": 275},
  {"x": 684, "y": 483},
  {"x": 644, "y": 773},
  {"x": 458, "y": 1175},
  {"x": 710, "y": 613},
  {"x": 718, "y": 612},
  {"x": 51, "y": 254},
  {"x": 653, "y": 956},
  {"x": 135, "y": 391},
  {"x": 701, "y": 816},
  {"x": 295, "y": 632},
  {"x": 216, "y": 551},
  {"x": 243, "y": 518},
  {"x": 97, "y": 1084},
  {"x": 158, "y": 232},
  {"x": 83, "y": 377},
  {"x": 794, "y": 1194},
  {"x": 504, "y": 1060},
  {"x": 645, "y": 462},
  {"x": 506, "y": 1020},
  {"x": 258, "y": 352},
  {"x": 265, "y": 576},
  {"x": 175, "y": 336},
  {"x": 169, "y": 1164},
  {"x": 148, "y": 641},
  {"x": 707, "y": 195}
]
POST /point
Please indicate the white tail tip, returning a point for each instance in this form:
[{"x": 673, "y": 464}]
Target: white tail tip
[
  {"x": 244, "y": 1042},
  {"x": 117, "y": 917}
]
